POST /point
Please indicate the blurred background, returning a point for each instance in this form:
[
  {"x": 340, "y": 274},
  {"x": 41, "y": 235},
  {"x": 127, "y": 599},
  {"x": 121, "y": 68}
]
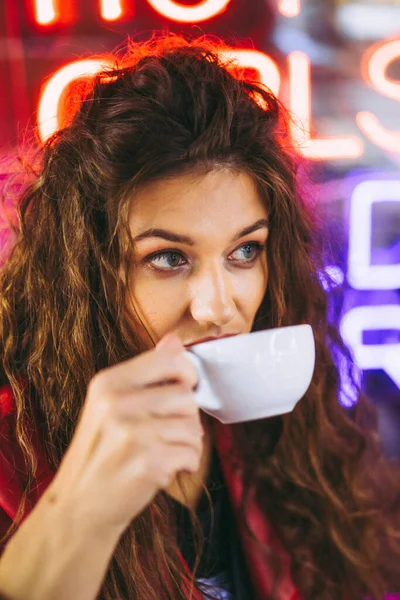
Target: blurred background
[{"x": 334, "y": 63}]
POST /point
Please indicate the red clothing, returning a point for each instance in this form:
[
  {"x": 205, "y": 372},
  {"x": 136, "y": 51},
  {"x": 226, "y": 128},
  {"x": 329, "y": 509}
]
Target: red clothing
[{"x": 11, "y": 477}]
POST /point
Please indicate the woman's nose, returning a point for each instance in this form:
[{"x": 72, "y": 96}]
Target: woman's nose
[{"x": 212, "y": 300}]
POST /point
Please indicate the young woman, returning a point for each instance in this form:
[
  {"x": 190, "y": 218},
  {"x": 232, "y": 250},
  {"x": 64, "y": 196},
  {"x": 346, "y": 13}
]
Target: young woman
[{"x": 167, "y": 211}]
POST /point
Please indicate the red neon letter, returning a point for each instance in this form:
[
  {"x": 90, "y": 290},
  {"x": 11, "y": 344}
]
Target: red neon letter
[
  {"x": 253, "y": 59},
  {"x": 379, "y": 135},
  {"x": 45, "y": 11},
  {"x": 189, "y": 14},
  {"x": 289, "y": 8},
  {"x": 374, "y": 66},
  {"x": 110, "y": 10},
  {"x": 51, "y": 92},
  {"x": 300, "y": 105}
]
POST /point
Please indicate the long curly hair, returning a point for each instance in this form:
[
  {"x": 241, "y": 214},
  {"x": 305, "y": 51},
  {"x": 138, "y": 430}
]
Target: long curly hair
[{"x": 166, "y": 107}]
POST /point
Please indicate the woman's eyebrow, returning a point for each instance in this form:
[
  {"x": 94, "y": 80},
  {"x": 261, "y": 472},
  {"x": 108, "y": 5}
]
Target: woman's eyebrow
[{"x": 184, "y": 239}]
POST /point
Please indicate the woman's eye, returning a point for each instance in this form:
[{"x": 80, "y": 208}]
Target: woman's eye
[
  {"x": 250, "y": 251},
  {"x": 172, "y": 260},
  {"x": 165, "y": 260}
]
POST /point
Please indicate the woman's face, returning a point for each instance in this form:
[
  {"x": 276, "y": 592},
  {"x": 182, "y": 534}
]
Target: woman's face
[{"x": 200, "y": 266}]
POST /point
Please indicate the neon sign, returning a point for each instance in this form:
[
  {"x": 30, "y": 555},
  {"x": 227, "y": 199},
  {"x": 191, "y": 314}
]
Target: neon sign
[
  {"x": 362, "y": 275},
  {"x": 111, "y": 10},
  {"x": 374, "y": 65},
  {"x": 202, "y": 11},
  {"x": 349, "y": 147},
  {"x": 51, "y": 92},
  {"x": 47, "y": 12},
  {"x": 300, "y": 105},
  {"x": 373, "y": 356}
]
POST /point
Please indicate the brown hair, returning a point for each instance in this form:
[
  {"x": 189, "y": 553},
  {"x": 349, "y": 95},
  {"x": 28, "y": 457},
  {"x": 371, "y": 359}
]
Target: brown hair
[{"x": 169, "y": 106}]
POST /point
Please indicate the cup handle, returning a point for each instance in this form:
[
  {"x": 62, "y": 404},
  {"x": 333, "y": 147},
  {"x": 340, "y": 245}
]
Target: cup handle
[{"x": 205, "y": 396}]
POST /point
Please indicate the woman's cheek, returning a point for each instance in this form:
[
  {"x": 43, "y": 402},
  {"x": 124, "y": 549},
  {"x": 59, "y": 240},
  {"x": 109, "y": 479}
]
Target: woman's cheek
[
  {"x": 159, "y": 302},
  {"x": 252, "y": 287}
]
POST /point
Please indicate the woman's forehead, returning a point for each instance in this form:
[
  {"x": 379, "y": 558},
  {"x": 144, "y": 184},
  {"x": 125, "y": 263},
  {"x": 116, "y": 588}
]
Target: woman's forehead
[{"x": 220, "y": 198}]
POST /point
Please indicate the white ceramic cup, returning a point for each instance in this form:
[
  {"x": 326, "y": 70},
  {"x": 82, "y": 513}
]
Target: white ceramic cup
[{"x": 254, "y": 375}]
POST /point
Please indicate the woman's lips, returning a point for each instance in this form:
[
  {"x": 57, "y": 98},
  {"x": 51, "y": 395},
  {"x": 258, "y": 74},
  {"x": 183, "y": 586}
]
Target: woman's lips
[{"x": 209, "y": 339}]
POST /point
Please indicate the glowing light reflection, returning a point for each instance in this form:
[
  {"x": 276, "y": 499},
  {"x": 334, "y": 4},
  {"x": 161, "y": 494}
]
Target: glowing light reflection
[
  {"x": 110, "y": 10},
  {"x": 333, "y": 276},
  {"x": 51, "y": 92},
  {"x": 377, "y": 133},
  {"x": 373, "y": 356},
  {"x": 289, "y": 8},
  {"x": 300, "y": 105},
  {"x": 374, "y": 66},
  {"x": 45, "y": 11},
  {"x": 362, "y": 274},
  {"x": 189, "y": 14}
]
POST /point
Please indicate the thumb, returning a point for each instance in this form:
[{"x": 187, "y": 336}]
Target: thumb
[{"x": 170, "y": 340}]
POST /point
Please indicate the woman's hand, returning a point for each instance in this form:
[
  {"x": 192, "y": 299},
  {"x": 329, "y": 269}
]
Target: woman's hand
[{"x": 135, "y": 433}]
